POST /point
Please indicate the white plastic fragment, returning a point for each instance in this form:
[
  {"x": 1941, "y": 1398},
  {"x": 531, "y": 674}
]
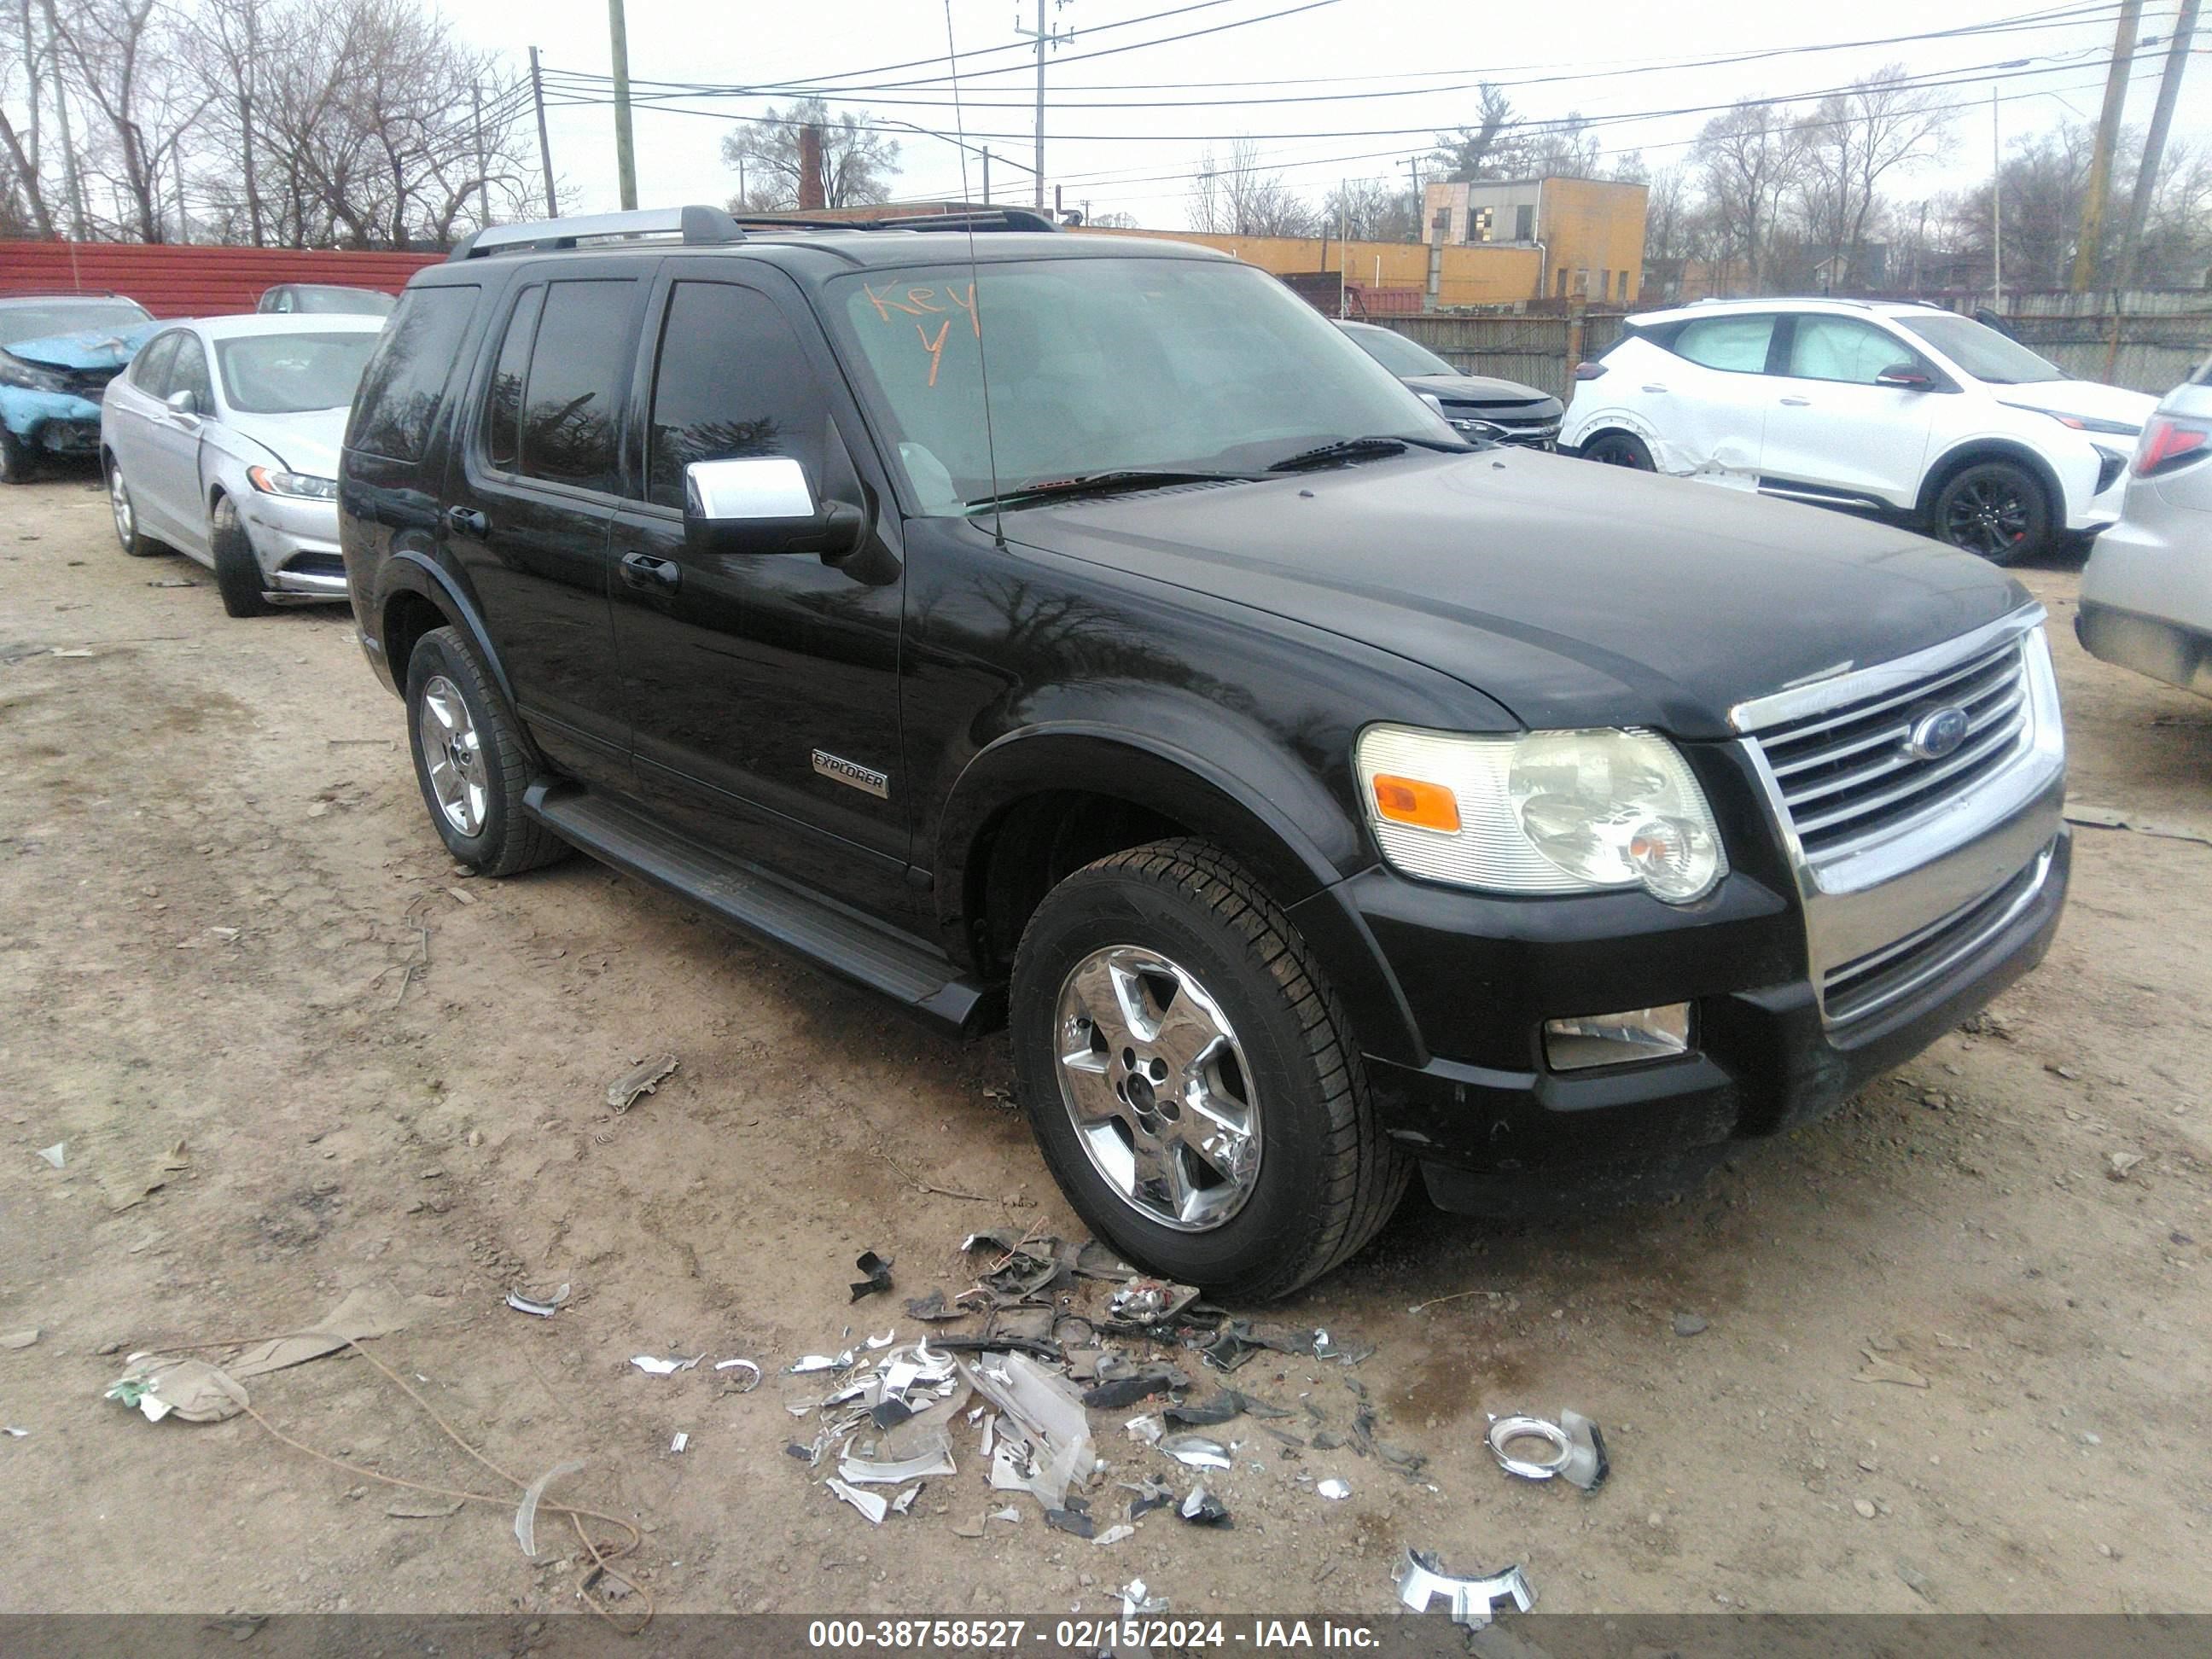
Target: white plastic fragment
[
  {"x": 1195, "y": 1451},
  {"x": 904, "y": 1501},
  {"x": 646, "y": 1362},
  {"x": 641, "y": 1079},
  {"x": 1136, "y": 1600},
  {"x": 1114, "y": 1534},
  {"x": 874, "y": 1505},
  {"x": 747, "y": 1364},
  {"x": 13, "y": 1432},
  {"x": 1334, "y": 1488},
  {"x": 1577, "y": 1448},
  {"x": 525, "y": 1514},
  {"x": 1147, "y": 1429},
  {"x": 544, "y": 1310},
  {"x": 935, "y": 1457},
  {"x": 819, "y": 1362},
  {"x": 56, "y": 1154},
  {"x": 1470, "y": 1601},
  {"x": 681, "y": 1441},
  {"x": 885, "y": 1341}
]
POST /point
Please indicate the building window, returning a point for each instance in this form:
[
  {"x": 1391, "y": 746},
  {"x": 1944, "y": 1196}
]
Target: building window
[
  {"x": 1524, "y": 222},
  {"x": 1624, "y": 287},
  {"x": 1605, "y": 285},
  {"x": 1562, "y": 285},
  {"x": 1479, "y": 222}
]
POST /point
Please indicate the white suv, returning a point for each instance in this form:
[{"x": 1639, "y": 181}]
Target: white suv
[{"x": 1898, "y": 407}]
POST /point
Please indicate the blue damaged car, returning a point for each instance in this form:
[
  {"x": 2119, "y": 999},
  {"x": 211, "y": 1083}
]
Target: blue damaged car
[{"x": 57, "y": 352}]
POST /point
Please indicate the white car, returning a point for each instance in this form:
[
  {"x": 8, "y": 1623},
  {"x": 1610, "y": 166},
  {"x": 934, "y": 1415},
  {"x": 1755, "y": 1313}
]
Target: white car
[
  {"x": 2146, "y": 593},
  {"x": 220, "y": 440},
  {"x": 1901, "y": 409}
]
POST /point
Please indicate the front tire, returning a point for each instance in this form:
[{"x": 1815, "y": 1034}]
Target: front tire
[
  {"x": 1192, "y": 1079},
  {"x": 1620, "y": 449},
  {"x": 237, "y": 572},
  {"x": 134, "y": 541},
  {"x": 17, "y": 463},
  {"x": 1995, "y": 509},
  {"x": 471, "y": 760}
]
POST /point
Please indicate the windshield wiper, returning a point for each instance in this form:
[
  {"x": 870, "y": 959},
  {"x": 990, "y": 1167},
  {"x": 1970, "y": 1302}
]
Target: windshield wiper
[
  {"x": 1100, "y": 484},
  {"x": 1359, "y": 449}
]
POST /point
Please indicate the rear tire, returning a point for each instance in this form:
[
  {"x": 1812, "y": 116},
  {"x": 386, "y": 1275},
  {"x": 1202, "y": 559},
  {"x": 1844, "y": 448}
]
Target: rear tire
[
  {"x": 237, "y": 573},
  {"x": 1179, "y": 932},
  {"x": 1996, "y": 510},
  {"x": 1620, "y": 449},
  {"x": 471, "y": 762}
]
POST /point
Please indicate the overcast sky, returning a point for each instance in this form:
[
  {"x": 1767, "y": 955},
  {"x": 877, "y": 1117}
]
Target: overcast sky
[{"x": 1609, "y": 59}]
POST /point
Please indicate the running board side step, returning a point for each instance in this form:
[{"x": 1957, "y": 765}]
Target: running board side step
[{"x": 744, "y": 896}]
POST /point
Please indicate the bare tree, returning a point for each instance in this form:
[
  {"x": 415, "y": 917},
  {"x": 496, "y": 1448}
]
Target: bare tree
[
  {"x": 858, "y": 162},
  {"x": 1749, "y": 159},
  {"x": 1370, "y": 211},
  {"x": 1850, "y": 144},
  {"x": 124, "y": 57},
  {"x": 22, "y": 188}
]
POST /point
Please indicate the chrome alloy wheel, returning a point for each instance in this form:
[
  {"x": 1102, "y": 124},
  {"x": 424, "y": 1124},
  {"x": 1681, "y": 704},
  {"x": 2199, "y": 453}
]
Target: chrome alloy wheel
[
  {"x": 119, "y": 500},
  {"x": 1157, "y": 1086},
  {"x": 452, "y": 754}
]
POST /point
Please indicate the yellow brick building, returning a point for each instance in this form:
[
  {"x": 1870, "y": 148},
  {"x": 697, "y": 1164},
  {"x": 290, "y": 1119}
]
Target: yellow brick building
[
  {"x": 1468, "y": 277},
  {"x": 1587, "y": 233}
]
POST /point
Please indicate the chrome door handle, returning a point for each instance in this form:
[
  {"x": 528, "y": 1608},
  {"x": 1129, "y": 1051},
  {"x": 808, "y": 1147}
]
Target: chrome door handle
[
  {"x": 1656, "y": 388},
  {"x": 1797, "y": 403}
]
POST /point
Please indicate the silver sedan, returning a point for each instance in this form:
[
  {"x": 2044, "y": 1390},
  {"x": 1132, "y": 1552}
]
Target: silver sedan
[
  {"x": 221, "y": 441},
  {"x": 2146, "y": 593}
]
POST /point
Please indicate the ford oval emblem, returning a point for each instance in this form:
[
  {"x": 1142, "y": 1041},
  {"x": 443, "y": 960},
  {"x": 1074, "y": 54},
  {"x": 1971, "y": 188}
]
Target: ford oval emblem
[{"x": 1937, "y": 734}]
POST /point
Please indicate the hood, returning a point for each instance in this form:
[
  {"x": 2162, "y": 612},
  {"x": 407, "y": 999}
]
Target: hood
[
  {"x": 305, "y": 443},
  {"x": 1480, "y": 390},
  {"x": 1572, "y": 593},
  {"x": 92, "y": 348},
  {"x": 2084, "y": 400}
]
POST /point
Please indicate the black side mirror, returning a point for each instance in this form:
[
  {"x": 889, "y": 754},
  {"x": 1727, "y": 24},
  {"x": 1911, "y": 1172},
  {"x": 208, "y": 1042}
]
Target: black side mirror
[
  {"x": 763, "y": 504},
  {"x": 1907, "y": 377}
]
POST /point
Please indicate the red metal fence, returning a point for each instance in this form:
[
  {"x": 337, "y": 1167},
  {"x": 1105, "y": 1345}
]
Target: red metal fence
[{"x": 193, "y": 281}]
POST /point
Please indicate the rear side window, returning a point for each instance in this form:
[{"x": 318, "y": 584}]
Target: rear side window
[
  {"x": 151, "y": 372},
  {"x": 397, "y": 403},
  {"x": 502, "y": 436},
  {"x": 1735, "y": 344},
  {"x": 732, "y": 380},
  {"x": 573, "y": 394}
]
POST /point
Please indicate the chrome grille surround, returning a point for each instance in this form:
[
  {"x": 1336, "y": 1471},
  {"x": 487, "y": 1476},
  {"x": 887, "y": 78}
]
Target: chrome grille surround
[{"x": 1901, "y": 860}]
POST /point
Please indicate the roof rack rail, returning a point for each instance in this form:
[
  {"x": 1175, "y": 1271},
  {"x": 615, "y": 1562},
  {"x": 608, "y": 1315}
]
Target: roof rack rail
[
  {"x": 986, "y": 219},
  {"x": 698, "y": 225}
]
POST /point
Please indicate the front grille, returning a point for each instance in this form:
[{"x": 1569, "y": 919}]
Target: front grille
[
  {"x": 90, "y": 383},
  {"x": 1846, "y": 775},
  {"x": 1867, "y": 984}
]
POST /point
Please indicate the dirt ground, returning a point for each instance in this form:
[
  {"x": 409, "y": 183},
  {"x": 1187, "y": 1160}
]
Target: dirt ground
[{"x": 225, "y": 922}]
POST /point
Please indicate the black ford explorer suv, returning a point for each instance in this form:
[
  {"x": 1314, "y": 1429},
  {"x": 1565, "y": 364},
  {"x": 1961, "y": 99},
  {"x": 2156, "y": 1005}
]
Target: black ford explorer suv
[{"x": 1083, "y": 635}]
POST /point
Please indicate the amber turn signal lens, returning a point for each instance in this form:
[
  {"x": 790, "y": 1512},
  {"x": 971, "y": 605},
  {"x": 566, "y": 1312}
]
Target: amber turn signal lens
[{"x": 1408, "y": 800}]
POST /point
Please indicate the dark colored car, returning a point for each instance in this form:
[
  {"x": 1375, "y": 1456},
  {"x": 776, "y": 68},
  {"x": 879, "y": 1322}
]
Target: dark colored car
[
  {"x": 1316, "y": 796},
  {"x": 326, "y": 300},
  {"x": 57, "y": 352},
  {"x": 1477, "y": 406}
]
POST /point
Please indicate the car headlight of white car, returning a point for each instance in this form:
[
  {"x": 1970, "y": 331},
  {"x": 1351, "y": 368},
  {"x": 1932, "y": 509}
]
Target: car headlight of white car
[
  {"x": 271, "y": 482},
  {"x": 1542, "y": 812}
]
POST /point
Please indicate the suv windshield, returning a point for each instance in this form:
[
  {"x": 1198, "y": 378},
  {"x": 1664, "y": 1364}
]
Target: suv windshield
[
  {"x": 1982, "y": 351},
  {"x": 1110, "y": 365},
  {"x": 40, "y": 322},
  {"x": 1401, "y": 355},
  {"x": 292, "y": 373}
]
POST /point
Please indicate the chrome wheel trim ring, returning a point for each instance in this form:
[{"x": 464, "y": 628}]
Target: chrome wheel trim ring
[{"x": 1157, "y": 1089}]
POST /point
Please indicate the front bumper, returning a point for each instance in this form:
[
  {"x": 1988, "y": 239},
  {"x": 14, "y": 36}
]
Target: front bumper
[
  {"x": 1766, "y": 1059},
  {"x": 295, "y": 539},
  {"x": 59, "y": 421}
]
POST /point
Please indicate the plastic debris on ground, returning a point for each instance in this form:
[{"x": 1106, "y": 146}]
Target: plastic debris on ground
[
  {"x": 1149, "y": 1301},
  {"x": 641, "y": 1079},
  {"x": 1114, "y": 1534},
  {"x": 876, "y": 1275},
  {"x": 874, "y": 1505},
  {"x": 543, "y": 1307},
  {"x": 659, "y": 1367},
  {"x": 56, "y": 1154},
  {"x": 1334, "y": 1488},
  {"x": 1202, "y": 1509},
  {"x": 1422, "y": 1581},
  {"x": 1577, "y": 1448},
  {"x": 1138, "y": 1601},
  {"x": 1195, "y": 1451},
  {"x": 678, "y": 1443},
  {"x": 736, "y": 1386},
  {"x": 526, "y": 1513}
]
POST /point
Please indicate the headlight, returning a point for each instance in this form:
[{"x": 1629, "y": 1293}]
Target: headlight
[
  {"x": 1544, "y": 813},
  {"x": 293, "y": 484},
  {"x": 14, "y": 371}
]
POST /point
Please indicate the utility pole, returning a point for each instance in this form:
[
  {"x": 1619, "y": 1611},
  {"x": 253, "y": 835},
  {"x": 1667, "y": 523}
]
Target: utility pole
[
  {"x": 1044, "y": 37},
  {"x": 2169, "y": 89},
  {"x": 1420, "y": 204},
  {"x": 72, "y": 174},
  {"x": 246, "y": 128},
  {"x": 545, "y": 148},
  {"x": 483, "y": 163},
  {"x": 986, "y": 178},
  {"x": 1997, "y": 209},
  {"x": 1343, "y": 240},
  {"x": 184, "y": 220},
  {"x": 2101, "y": 158},
  {"x": 625, "y": 154}
]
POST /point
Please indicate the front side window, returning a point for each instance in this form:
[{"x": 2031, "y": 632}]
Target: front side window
[
  {"x": 406, "y": 381},
  {"x": 1982, "y": 351},
  {"x": 1099, "y": 365},
  {"x": 732, "y": 380},
  {"x": 191, "y": 374},
  {"x": 1843, "y": 348},
  {"x": 151, "y": 368},
  {"x": 292, "y": 373},
  {"x": 1736, "y": 344},
  {"x": 572, "y": 398}
]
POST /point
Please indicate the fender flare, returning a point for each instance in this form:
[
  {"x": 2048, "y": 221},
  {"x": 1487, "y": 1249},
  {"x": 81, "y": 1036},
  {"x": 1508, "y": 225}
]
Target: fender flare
[
  {"x": 1969, "y": 451},
  {"x": 409, "y": 571}
]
